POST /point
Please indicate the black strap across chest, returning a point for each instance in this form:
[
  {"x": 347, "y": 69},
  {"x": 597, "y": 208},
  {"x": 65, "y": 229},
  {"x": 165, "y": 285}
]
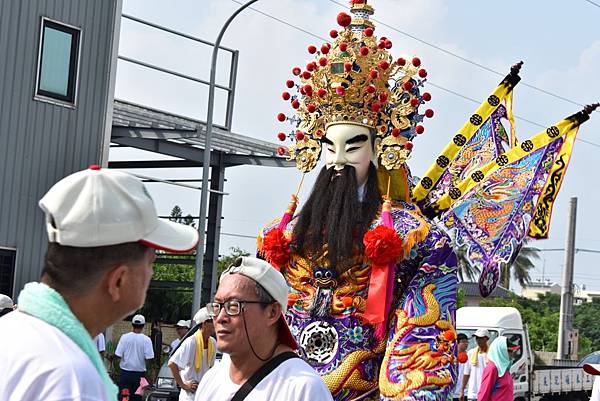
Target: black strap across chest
[{"x": 261, "y": 373}]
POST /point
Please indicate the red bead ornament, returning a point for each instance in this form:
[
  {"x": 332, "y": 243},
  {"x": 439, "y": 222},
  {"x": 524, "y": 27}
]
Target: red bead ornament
[
  {"x": 281, "y": 151},
  {"x": 384, "y": 65},
  {"x": 401, "y": 61},
  {"x": 376, "y": 106},
  {"x": 299, "y": 135},
  {"x": 308, "y": 90},
  {"x": 312, "y": 49},
  {"x": 325, "y": 49},
  {"x": 373, "y": 74},
  {"x": 381, "y": 45},
  {"x": 388, "y": 44},
  {"x": 310, "y": 67},
  {"x": 383, "y": 97},
  {"x": 344, "y": 19},
  {"x": 414, "y": 102},
  {"x": 407, "y": 86},
  {"x": 333, "y": 33},
  {"x": 296, "y": 71},
  {"x": 319, "y": 133},
  {"x": 322, "y": 61},
  {"x": 364, "y": 51},
  {"x": 295, "y": 104},
  {"x": 302, "y": 91},
  {"x": 340, "y": 90},
  {"x": 428, "y": 113},
  {"x": 408, "y": 146},
  {"x": 311, "y": 108},
  {"x": 348, "y": 67},
  {"x": 306, "y": 75},
  {"x": 343, "y": 46},
  {"x": 427, "y": 96},
  {"x": 370, "y": 89},
  {"x": 281, "y": 117},
  {"x": 368, "y": 32},
  {"x": 285, "y": 96},
  {"x": 395, "y": 132},
  {"x": 281, "y": 136},
  {"x": 419, "y": 129},
  {"x": 422, "y": 73},
  {"x": 383, "y": 128},
  {"x": 289, "y": 83},
  {"x": 321, "y": 92},
  {"x": 416, "y": 62}
]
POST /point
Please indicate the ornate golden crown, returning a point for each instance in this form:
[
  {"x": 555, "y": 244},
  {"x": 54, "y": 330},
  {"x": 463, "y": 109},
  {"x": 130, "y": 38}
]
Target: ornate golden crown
[{"x": 355, "y": 81}]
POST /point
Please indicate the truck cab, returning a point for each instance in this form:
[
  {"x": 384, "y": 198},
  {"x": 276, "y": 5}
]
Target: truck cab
[{"x": 500, "y": 321}]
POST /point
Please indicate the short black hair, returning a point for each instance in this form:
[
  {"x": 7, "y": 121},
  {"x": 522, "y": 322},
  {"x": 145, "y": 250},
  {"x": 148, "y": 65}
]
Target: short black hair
[
  {"x": 461, "y": 336},
  {"x": 138, "y": 326},
  {"x": 75, "y": 270}
]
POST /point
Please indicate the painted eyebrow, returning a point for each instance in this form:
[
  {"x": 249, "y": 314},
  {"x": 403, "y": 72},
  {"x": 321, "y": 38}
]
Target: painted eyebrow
[{"x": 356, "y": 139}]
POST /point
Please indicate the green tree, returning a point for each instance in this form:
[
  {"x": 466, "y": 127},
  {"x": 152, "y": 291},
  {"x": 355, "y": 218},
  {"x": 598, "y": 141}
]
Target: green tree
[
  {"x": 520, "y": 267},
  {"x": 586, "y": 320},
  {"x": 227, "y": 260},
  {"x": 466, "y": 271}
]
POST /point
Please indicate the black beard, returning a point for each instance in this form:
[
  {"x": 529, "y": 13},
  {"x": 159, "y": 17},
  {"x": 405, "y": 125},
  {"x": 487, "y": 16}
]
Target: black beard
[{"x": 334, "y": 216}]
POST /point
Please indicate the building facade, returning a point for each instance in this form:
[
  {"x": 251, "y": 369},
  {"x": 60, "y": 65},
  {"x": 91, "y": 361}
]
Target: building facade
[{"x": 57, "y": 75}]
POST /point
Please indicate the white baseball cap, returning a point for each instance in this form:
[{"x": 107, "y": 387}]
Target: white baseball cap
[
  {"x": 183, "y": 323},
  {"x": 100, "y": 207},
  {"x": 6, "y": 302},
  {"x": 273, "y": 282},
  {"x": 482, "y": 333},
  {"x": 201, "y": 316},
  {"x": 138, "y": 319}
]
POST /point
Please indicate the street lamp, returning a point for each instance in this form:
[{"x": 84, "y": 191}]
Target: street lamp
[{"x": 206, "y": 162}]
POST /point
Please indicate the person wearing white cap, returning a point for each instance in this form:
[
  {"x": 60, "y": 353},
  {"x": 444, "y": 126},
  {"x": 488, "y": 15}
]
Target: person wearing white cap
[
  {"x": 248, "y": 312},
  {"x": 182, "y": 327},
  {"x": 103, "y": 230},
  {"x": 475, "y": 365},
  {"x": 134, "y": 349},
  {"x": 594, "y": 369},
  {"x": 6, "y": 305},
  {"x": 195, "y": 355}
]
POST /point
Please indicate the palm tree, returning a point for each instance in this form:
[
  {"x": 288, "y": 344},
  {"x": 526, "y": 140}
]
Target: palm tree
[
  {"x": 521, "y": 266},
  {"x": 466, "y": 271}
]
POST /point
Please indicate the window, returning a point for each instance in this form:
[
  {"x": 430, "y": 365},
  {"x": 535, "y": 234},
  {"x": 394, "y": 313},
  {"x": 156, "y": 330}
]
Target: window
[
  {"x": 58, "y": 62},
  {"x": 7, "y": 270}
]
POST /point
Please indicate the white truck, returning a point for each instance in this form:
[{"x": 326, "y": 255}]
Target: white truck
[{"x": 531, "y": 382}]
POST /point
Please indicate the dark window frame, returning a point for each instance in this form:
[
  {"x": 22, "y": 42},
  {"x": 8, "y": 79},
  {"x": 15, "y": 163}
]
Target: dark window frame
[
  {"x": 11, "y": 284},
  {"x": 70, "y": 99}
]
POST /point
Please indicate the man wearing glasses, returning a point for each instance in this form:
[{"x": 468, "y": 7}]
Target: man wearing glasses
[{"x": 248, "y": 315}]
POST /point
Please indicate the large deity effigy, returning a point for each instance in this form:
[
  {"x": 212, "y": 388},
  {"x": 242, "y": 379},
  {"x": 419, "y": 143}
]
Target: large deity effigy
[{"x": 369, "y": 258}]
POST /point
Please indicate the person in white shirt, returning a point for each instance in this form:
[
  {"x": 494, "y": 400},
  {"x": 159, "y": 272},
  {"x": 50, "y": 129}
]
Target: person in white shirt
[
  {"x": 182, "y": 327},
  {"x": 248, "y": 313},
  {"x": 194, "y": 356},
  {"x": 100, "y": 343},
  {"x": 475, "y": 365},
  {"x": 103, "y": 230},
  {"x": 6, "y": 305},
  {"x": 462, "y": 342},
  {"x": 134, "y": 349},
  {"x": 594, "y": 369}
]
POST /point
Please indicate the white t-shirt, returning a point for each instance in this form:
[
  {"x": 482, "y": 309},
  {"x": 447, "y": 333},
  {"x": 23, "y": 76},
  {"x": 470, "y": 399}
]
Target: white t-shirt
[
  {"x": 459, "y": 379},
  {"x": 293, "y": 380},
  {"x": 134, "y": 349},
  {"x": 475, "y": 372},
  {"x": 595, "y": 396},
  {"x": 185, "y": 358},
  {"x": 100, "y": 342},
  {"x": 174, "y": 344},
  {"x": 38, "y": 362}
]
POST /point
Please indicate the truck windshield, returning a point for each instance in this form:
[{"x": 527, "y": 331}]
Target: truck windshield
[{"x": 469, "y": 334}]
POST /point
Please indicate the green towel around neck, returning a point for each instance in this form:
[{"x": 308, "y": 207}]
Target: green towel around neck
[{"x": 44, "y": 303}]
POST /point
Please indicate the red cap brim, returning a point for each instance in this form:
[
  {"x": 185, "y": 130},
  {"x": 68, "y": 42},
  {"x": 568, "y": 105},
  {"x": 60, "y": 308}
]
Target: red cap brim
[
  {"x": 592, "y": 368},
  {"x": 285, "y": 335}
]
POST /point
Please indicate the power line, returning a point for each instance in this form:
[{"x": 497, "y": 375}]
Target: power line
[
  {"x": 591, "y": 2},
  {"x": 466, "y": 60},
  {"x": 429, "y": 82}
]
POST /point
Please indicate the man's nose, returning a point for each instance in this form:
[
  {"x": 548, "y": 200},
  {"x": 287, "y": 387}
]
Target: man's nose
[{"x": 339, "y": 161}]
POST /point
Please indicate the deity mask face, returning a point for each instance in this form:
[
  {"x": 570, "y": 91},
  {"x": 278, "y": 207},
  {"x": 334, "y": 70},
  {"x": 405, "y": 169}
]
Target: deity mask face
[{"x": 349, "y": 144}]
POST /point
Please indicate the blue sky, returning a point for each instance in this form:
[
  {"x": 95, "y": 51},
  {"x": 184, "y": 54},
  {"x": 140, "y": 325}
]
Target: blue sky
[{"x": 560, "y": 47}]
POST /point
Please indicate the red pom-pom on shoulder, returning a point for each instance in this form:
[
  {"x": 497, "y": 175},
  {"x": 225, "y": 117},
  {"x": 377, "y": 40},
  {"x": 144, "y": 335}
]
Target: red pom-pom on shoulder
[{"x": 382, "y": 245}]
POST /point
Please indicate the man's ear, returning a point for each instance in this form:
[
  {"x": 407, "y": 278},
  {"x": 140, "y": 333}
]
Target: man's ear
[
  {"x": 375, "y": 157},
  {"x": 274, "y": 312},
  {"x": 116, "y": 282}
]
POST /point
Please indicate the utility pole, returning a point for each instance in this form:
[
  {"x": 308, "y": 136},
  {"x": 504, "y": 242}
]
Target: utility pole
[{"x": 565, "y": 325}]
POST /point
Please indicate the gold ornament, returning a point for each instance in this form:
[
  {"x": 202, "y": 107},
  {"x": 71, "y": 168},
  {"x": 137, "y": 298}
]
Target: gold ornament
[{"x": 392, "y": 152}]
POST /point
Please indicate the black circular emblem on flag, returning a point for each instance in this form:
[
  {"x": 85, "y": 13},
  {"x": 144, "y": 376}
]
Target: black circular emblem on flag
[
  {"x": 527, "y": 146},
  {"x": 455, "y": 193},
  {"x": 477, "y": 176},
  {"x": 442, "y": 161},
  {"x": 493, "y": 100},
  {"x": 553, "y": 132},
  {"x": 476, "y": 119},
  {"x": 459, "y": 139},
  {"x": 426, "y": 182},
  {"x": 502, "y": 160}
]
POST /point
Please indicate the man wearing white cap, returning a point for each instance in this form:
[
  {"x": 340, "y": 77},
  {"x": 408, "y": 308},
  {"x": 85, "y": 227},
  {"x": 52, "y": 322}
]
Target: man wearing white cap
[
  {"x": 194, "y": 356},
  {"x": 248, "y": 312},
  {"x": 134, "y": 349},
  {"x": 594, "y": 369},
  {"x": 6, "y": 304},
  {"x": 103, "y": 229},
  {"x": 475, "y": 365},
  {"x": 182, "y": 327}
]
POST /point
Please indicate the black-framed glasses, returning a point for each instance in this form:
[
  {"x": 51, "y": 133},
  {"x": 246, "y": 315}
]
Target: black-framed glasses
[{"x": 232, "y": 307}]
